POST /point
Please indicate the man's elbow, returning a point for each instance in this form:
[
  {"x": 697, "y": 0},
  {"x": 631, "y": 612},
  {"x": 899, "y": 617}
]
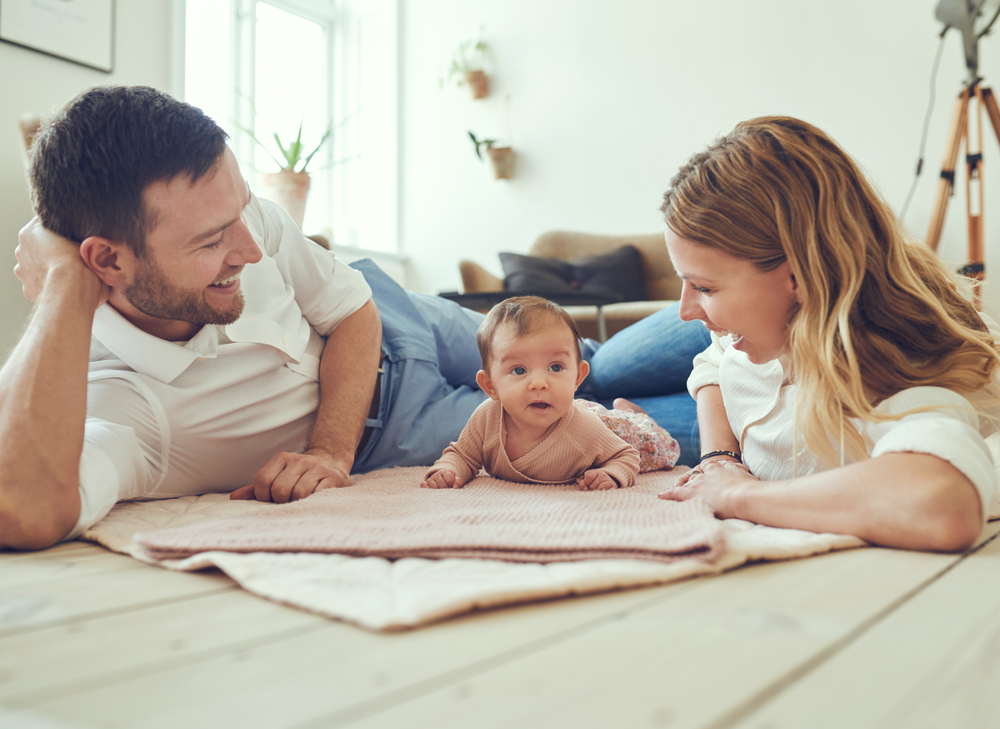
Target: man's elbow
[{"x": 36, "y": 527}]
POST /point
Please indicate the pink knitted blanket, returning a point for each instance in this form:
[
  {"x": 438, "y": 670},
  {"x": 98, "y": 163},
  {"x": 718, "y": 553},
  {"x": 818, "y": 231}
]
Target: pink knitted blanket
[{"x": 385, "y": 514}]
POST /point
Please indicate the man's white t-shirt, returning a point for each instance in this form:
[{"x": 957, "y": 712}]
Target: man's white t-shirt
[{"x": 167, "y": 419}]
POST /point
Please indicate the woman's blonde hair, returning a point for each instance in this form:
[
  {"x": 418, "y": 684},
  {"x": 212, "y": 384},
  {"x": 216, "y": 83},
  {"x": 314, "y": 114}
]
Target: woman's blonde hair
[{"x": 878, "y": 313}]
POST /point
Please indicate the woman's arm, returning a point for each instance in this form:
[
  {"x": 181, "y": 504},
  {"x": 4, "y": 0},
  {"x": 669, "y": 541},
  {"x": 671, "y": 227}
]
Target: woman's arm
[
  {"x": 713, "y": 424},
  {"x": 905, "y": 500}
]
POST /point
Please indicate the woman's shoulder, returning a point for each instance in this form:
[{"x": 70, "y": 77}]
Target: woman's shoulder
[{"x": 924, "y": 397}]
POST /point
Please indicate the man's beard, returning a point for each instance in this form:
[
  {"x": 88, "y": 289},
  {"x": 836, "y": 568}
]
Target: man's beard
[{"x": 153, "y": 296}]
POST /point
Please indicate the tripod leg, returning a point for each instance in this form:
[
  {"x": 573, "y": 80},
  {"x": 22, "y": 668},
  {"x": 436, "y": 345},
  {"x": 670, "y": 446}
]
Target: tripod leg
[
  {"x": 992, "y": 110},
  {"x": 974, "y": 269},
  {"x": 947, "y": 181}
]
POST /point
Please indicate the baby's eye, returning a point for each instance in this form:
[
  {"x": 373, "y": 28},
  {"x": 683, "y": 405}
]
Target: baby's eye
[
  {"x": 557, "y": 367},
  {"x": 519, "y": 371}
]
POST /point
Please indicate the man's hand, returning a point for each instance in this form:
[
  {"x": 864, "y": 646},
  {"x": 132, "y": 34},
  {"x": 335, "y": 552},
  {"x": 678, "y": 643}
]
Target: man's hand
[
  {"x": 293, "y": 476},
  {"x": 40, "y": 251},
  {"x": 443, "y": 479},
  {"x": 596, "y": 481}
]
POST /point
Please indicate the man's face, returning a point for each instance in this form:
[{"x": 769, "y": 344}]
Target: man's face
[
  {"x": 153, "y": 294},
  {"x": 195, "y": 252}
]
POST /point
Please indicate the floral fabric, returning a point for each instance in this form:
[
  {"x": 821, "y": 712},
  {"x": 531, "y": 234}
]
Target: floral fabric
[{"x": 657, "y": 449}]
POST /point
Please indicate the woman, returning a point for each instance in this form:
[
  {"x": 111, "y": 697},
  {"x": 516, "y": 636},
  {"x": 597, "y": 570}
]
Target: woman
[{"x": 849, "y": 385}]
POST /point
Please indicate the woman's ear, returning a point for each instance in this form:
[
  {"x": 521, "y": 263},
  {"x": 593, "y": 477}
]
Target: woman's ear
[
  {"x": 486, "y": 384},
  {"x": 582, "y": 370},
  {"x": 110, "y": 261}
]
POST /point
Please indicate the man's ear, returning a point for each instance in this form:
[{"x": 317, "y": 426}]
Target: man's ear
[
  {"x": 582, "y": 370},
  {"x": 486, "y": 384},
  {"x": 110, "y": 261}
]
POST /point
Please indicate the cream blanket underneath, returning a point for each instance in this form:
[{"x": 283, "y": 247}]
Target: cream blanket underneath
[{"x": 377, "y": 593}]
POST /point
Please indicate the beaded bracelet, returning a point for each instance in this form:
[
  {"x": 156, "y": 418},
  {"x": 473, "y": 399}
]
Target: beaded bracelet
[{"x": 721, "y": 453}]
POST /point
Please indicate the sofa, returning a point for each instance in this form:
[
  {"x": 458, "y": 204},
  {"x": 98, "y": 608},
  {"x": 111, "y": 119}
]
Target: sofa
[{"x": 662, "y": 286}]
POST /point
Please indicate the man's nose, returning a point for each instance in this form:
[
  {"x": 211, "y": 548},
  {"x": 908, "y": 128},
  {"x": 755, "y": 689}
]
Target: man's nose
[{"x": 245, "y": 249}]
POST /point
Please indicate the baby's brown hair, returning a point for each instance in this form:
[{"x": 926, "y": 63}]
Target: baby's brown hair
[{"x": 523, "y": 313}]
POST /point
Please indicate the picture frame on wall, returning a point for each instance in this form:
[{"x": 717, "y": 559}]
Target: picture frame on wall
[{"x": 81, "y": 31}]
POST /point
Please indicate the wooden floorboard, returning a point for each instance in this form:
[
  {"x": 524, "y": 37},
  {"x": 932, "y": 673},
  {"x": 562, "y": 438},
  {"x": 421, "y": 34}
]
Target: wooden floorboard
[
  {"x": 63, "y": 600},
  {"x": 102, "y": 641},
  {"x": 39, "y": 567},
  {"x": 117, "y": 648},
  {"x": 306, "y": 676},
  {"x": 679, "y": 662},
  {"x": 934, "y": 663}
]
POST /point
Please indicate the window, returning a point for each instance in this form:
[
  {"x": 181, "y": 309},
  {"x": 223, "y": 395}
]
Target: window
[{"x": 267, "y": 66}]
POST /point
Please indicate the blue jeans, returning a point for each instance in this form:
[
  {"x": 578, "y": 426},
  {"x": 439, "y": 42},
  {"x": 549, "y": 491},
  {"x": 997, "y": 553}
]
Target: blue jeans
[
  {"x": 430, "y": 361},
  {"x": 649, "y": 363},
  {"x": 430, "y": 358}
]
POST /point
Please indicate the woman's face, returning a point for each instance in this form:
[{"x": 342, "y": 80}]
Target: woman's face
[{"x": 732, "y": 295}]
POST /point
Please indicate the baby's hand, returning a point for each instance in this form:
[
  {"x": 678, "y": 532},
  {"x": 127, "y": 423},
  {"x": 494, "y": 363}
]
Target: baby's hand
[
  {"x": 443, "y": 479},
  {"x": 596, "y": 481}
]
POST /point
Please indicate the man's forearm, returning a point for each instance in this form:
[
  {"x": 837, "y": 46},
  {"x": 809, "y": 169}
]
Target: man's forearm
[
  {"x": 347, "y": 381},
  {"x": 43, "y": 404}
]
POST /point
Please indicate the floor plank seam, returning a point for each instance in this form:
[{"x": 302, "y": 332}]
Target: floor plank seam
[
  {"x": 76, "y": 571},
  {"x": 742, "y": 712},
  {"x": 404, "y": 694},
  {"x": 32, "y": 699},
  {"x": 17, "y": 630}
]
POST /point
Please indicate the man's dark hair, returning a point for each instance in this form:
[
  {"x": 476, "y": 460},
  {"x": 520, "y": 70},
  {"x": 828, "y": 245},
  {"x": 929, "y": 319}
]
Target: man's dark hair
[{"x": 92, "y": 161}]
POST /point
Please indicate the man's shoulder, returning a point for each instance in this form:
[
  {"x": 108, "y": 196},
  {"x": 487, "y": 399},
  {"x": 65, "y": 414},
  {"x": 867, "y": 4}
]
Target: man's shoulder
[{"x": 263, "y": 219}]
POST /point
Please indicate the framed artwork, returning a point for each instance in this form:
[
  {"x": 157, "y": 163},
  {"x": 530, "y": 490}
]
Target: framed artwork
[{"x": 81, "y": 31}]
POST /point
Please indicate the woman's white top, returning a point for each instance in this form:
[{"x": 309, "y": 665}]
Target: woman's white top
[{"x": 760, "y": 408}]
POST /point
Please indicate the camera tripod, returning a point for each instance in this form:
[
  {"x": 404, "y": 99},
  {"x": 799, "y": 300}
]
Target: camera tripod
[{"x": 961, "y": 129}]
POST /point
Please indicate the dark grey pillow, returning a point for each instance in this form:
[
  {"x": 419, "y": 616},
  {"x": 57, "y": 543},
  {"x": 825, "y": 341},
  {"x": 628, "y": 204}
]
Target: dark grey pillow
[{"x": 616, "y": 273}]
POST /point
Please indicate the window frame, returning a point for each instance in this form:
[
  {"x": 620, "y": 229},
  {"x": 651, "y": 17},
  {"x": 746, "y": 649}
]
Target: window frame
[{"x": 347, "y": 166}]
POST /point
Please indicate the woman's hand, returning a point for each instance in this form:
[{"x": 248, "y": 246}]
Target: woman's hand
[{"x": 717, "y": 482}]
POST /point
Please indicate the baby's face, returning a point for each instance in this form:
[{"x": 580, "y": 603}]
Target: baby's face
[{"x": 535, "y": 376}]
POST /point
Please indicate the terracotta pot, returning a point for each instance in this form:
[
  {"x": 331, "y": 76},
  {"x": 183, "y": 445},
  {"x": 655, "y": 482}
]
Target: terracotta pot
[
  {"x": 503, "y": 162},
  {"x": 479, "y": 84},
  {"x": 288, "y": 189}
]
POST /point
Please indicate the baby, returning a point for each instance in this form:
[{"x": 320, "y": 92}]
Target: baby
[{"x": 531, "y": 430}]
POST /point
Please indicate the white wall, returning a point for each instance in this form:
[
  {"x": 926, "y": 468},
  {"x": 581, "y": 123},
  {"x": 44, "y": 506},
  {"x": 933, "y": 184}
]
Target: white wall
[
  {"x": 607, "y": 100},
  {"x": 33, "y": 82},
  {"x": 605, "y": 103}
]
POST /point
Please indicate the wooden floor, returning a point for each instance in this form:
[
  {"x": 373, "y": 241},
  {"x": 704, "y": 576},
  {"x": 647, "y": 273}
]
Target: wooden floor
[{"x": 864, "y": 638}]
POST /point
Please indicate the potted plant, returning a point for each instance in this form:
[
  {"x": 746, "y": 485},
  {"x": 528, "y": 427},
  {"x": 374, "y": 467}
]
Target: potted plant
[
  {"x": 467, "y": 67},
  {"x": 501, "y": 158},
  {"x": 289, "y": 187}
]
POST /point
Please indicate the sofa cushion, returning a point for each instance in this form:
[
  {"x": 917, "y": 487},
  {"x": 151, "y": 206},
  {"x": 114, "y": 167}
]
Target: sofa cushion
[{"x": 618, "y": 273}]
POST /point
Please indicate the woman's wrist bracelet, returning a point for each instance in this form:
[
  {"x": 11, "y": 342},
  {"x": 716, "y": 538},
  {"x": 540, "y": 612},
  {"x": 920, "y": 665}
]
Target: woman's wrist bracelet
[{"x": 720, "y": 453}]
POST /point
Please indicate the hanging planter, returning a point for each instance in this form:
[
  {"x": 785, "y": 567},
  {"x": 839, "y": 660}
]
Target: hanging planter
[
  {"x": 501, "y": 158},
  {"x": 479, "y": 84},
  {"x": 467, "y": 67}
]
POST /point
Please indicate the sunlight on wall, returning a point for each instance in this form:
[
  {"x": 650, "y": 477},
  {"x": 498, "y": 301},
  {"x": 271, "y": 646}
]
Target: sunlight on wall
[{"x": 206, "y": 62}]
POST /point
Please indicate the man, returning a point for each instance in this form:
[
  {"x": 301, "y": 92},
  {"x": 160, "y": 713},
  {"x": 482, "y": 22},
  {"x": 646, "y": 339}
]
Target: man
[{"x": 186, "y": 337}]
